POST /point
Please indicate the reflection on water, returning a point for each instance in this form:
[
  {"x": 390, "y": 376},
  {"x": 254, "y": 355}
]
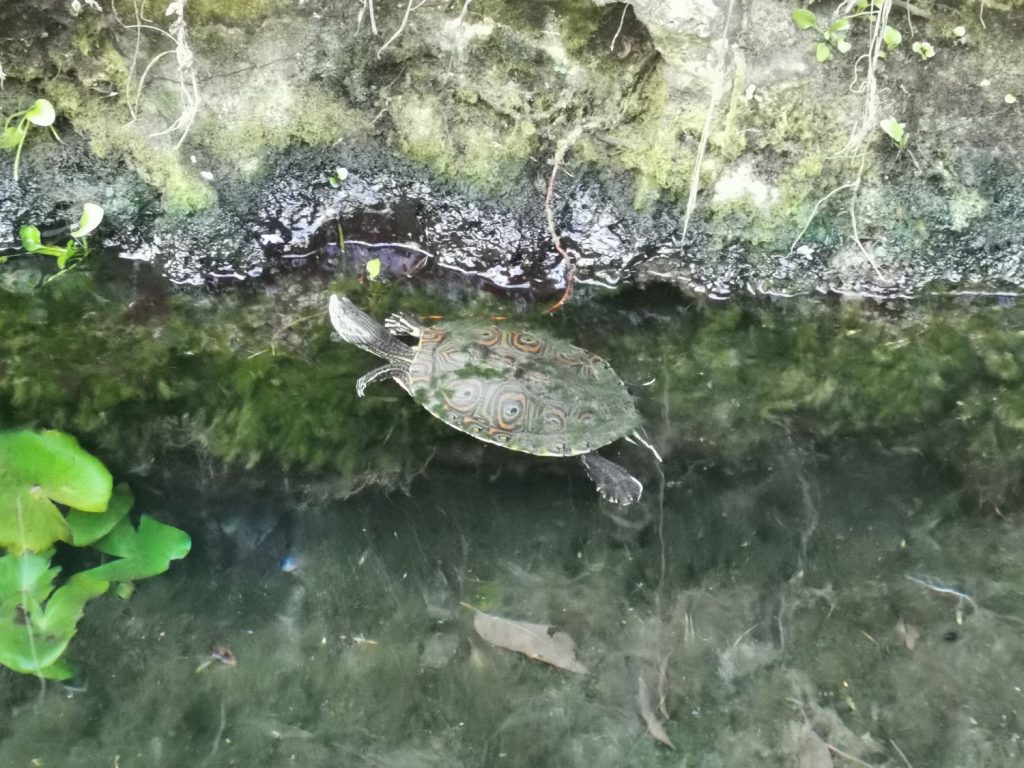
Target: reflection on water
[{"x": 828, "y": 562}]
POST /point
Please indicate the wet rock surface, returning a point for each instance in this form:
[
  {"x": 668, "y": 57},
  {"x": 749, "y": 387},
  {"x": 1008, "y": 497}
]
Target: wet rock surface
[
  {"x": 291, "y": 221},
  {"x": 448, "y": 132}
]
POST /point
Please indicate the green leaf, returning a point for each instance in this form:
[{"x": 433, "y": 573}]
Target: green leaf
[
  {"x": 64, "y": 255},
  {"x": 13, "y": 135},
  {"x": 373, "y": 269},
  {"x": 26, "y": 579},
  {"x": 31, "y": 240},
  {"x": 144, "y": 552},
  {"x": 891, "y": 37},
  {"x": 89, "y": 527},
  {"x": 822, "y": 53},
  {"x": 923, "y": 49},
  {"x": 37, "y": 469},
  {"x": 804, "y": 18},
  {"x": 34, "y": 637},
  {"x": 41, "y": 113},
  {"x": 840, "y": 25},
  {"x": 92, "y": 215},
  {"x": 895, "y": 131}
]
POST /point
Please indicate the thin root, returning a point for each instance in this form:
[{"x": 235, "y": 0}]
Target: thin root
[{"x": 567, "y": 261}]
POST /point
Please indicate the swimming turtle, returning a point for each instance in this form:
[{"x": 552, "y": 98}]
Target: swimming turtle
[{"x": 514, "y": 388}]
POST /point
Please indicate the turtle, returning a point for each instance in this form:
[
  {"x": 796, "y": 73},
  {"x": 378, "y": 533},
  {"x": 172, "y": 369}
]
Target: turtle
[{"x": 511, "y": 387}]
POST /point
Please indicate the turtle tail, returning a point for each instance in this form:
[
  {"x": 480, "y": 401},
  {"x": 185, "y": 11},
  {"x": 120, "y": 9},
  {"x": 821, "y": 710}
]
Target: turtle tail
[{"x": 357, "y": 327}]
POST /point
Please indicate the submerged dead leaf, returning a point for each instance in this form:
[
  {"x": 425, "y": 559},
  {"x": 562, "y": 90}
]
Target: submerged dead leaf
[
  {"x": 537, "y": 641},
  {"x": 654, "y": 727},
  {"x": 908, "y": 634}
]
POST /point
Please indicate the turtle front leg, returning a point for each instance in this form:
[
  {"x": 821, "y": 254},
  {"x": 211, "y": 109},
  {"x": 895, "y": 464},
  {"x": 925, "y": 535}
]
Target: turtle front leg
[
  {"x": 404, "y": 324},
  {"x": 613, "y": 482},
  {"x": 389, "y": 371}
]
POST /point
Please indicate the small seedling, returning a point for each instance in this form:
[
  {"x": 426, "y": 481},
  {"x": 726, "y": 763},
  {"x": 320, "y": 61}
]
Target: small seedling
[
  {"x": 891, "y": 37},
  {"x": 834, "y": 35},
  {"x": 923, "y": 49},
  {"x": 896, "y": 131},
  {"x": 77, "y": 246},
  {"x": 339, "y": 175},
  {"x": 41, "y": 113}
]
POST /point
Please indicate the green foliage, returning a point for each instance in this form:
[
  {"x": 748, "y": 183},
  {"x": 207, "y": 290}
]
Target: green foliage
[
  {"x": 923, "y": 49},
  {"x": 76, "y": 248},
  {"x": 38, "y": 618},
  {"x": 36, "y": 470},
  {"x": 891, "y": 37},
  {"x": 39, "y": 621},
  {"x": 896, "y": 131},
  {"x": 41, "y": 114},
  {"x": 833, "y": 35},
  {"x": 143, "y": 552}
]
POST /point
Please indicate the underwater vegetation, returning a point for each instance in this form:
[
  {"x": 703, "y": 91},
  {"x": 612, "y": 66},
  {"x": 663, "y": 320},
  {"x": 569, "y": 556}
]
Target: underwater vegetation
[
  {"x": 255, "y": 380},
  {"x": 38, "y": 615}
]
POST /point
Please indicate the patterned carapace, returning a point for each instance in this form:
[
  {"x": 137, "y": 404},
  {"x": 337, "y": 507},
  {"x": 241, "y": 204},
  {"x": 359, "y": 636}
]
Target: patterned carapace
[{"x": 539, "y": 395}]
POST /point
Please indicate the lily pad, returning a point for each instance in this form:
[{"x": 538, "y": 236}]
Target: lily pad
[
  {"x": 36, "y": 621},
  {"x": 143, "y": 553},
  {"x": 89, "y": 527},
  {"x": 36, "y": 470}
]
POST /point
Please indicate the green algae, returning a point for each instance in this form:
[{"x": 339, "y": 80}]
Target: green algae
[
  {"x": 742, "y": 376},
  {"x": 158, "y": 164},
  {"x": 487, "y": 155},
  {"x": 650, "y": 142}
]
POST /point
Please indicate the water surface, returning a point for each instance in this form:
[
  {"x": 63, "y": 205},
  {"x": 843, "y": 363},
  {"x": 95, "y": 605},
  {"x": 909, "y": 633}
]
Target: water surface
[{"x": 828, "y": 561}]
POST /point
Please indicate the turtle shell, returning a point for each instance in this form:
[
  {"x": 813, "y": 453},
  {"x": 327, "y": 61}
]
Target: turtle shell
[{"x": 520, "y": 390}]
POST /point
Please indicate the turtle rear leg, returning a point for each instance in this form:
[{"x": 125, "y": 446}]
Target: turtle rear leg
[
  {"x": 404, "y": 324},
  {"x": 613, "y": 482},
  {"x": 394, "y": 371}
]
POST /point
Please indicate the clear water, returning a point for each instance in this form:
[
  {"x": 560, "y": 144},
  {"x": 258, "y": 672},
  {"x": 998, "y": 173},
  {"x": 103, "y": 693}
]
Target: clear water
[{"x": 833, "y": 472}]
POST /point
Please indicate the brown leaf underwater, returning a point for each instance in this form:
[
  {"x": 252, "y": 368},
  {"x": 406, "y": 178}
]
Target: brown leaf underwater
[
  {"x": 537, "y": 641},
  {"x": 646, "y": 703}
]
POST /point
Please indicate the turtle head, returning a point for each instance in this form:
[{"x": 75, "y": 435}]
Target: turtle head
[{"x": 357, "y": 327}]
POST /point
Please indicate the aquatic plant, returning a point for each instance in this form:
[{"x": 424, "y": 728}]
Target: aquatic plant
[
  {"x": 76, "y": 247},
  {"x": 38, "y": 617},
  {"x": 41, "y": 113}
]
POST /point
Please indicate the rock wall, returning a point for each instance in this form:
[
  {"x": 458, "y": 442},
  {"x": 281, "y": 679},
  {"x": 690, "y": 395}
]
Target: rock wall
[{"x": 180, "y": 119}]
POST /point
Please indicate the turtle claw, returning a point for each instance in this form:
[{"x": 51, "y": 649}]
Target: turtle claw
[
  {"x": 403, "y": 324},
  {"x": 613, "y": 482}
]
